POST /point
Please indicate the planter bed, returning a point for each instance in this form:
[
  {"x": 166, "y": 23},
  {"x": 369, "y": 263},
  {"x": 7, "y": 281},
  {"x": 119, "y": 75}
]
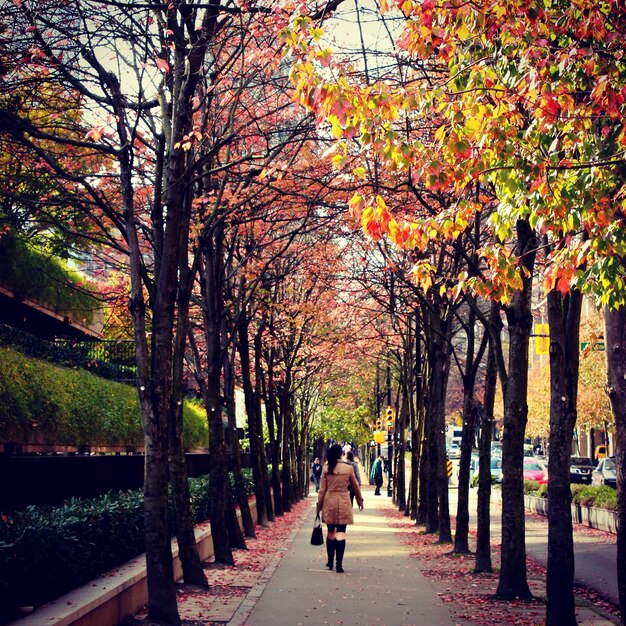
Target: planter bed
[
  {"x": 116, "y": 595},
  {"x": 600, "y": 519}
]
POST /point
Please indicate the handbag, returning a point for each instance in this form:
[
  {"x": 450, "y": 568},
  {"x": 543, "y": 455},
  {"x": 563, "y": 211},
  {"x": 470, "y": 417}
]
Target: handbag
[{"x": 317, "y": 536}]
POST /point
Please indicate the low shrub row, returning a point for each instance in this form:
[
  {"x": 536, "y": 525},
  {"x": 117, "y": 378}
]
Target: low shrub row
[
  {"x": 598, "y": 497},
  {"x": 45, "y": 404},
  {"x": 48, "y": 551}
]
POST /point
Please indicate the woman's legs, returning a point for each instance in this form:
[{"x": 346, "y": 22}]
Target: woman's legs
[
  {"x": 338, "y": 534},
  {"x": 331, "y": 545}
]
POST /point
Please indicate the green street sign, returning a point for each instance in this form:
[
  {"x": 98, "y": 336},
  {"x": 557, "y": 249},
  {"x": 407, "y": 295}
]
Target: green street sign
[{"x": 598, "y": 346}]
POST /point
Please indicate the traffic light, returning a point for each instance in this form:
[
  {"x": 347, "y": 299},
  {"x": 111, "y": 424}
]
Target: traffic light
[
  {"x": 389, "y": 418},
  {"x": 378, "y": 424}
]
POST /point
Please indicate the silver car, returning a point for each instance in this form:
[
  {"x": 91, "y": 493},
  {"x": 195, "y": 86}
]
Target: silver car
[{"x": 605, "y": 473}]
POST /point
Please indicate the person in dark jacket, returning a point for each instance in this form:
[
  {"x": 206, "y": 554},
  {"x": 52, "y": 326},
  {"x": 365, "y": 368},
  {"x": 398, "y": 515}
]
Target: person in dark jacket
[
  {"x": 377, "y": 474},
  {"x": 316, "y": 473}
]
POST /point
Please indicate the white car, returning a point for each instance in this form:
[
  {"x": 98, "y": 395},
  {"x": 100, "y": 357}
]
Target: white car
[{"x": 454, "y": 451}]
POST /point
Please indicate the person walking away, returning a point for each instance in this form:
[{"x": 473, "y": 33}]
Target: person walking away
[
  {"x": 333, "y": 501},
  {"x": 355, "y": 466},
  {"x": 377, "y": 474},
  {"x": 316, "y": 473}
]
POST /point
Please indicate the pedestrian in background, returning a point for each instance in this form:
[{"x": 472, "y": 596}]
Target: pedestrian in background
[
  {"x": 355, "y": 466},
  {"x": 316, "y": 473},
  {"x": 333, "y": 501},
  {"x": 377, "y": 474}
]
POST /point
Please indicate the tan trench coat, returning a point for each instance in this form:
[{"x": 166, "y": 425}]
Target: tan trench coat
[{"x": 333, "y": 498}]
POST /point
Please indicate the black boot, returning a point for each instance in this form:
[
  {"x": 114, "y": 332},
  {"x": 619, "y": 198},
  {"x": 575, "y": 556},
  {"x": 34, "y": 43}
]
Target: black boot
[
  {"x": 341, "y": 548},
  {"x": 330, "y": 549}
]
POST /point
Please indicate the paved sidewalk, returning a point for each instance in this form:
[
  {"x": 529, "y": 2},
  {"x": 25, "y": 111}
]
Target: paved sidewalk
[
  {"x": 382, "y": 584},
  {"x": 395, "y": 575}
]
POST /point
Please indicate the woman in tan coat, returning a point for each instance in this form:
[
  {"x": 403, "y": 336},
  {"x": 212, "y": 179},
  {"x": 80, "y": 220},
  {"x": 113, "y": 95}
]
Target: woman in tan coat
[{"x": 333, "y": 500}]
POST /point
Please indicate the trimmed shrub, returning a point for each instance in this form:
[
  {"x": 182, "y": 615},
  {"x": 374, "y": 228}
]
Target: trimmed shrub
[
  {"x": 602, "y": 497},
  {"x": 32, "y": 273},
  {"x": 531, "y": 487},
  {"x": 42, "y": 403},
  {"x": 599, "y": 497},
  {"x": 47, "y": 551}
]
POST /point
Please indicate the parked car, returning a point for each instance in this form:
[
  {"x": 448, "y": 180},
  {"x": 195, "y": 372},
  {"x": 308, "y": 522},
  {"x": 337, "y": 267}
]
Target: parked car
[
  {"x": 605, "y": 473},
  {"x": 495, "y": 470},
  {"x": 454, "y": 451},
  {"x": 580, "y": 469},
  {"x": 600, "y": 452},
  {"x": 536, "y": 470},
  {"x": 496, "y": 449}
]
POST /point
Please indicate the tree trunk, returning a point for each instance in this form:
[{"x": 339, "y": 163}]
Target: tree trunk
[
  {"x": 564, "y": 320},
  {"x": 258, "y": 369},
  {"x": 400, "y": 439},
  {"x": 255, "y": 435},
  {"x": 241, "y": 496},
  {"x": 432, "y": 469},
  {"x": 191, "y": 564},
  {"x": 286, "y": 449},
  {"x": 275, "y": 438},
  {"x": 162, "y": 606},
  {"x": 425, "y": 490},
  {"x": 513, "y": 582},
  {"x": 461, "y": 536},
  {"x": 211, "y": 287},
  {"x": 615, "y": 341},
  {"x": 440, "y": 339},
  {"x": 235, "y": 534},
  {"x": 483, "y": 529}
]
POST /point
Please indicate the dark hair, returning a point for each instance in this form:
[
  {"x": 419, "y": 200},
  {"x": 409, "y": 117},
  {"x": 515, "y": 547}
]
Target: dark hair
[
  {"x": 350, "y": 456},
  {"x": 333, "y": 455}
]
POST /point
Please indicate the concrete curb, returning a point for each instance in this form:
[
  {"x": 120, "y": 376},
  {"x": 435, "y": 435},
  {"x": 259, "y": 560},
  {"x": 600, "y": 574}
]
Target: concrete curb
[{"x": 600, "y": 519}]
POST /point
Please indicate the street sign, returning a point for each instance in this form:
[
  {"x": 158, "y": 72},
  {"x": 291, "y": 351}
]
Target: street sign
[
  {"x": 596, "y": 346},
  {"x": 379, "y": 437}
]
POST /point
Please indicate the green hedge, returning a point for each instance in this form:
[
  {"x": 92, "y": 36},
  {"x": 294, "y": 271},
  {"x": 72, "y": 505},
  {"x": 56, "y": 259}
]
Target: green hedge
[
  {"x": 41, "y": 403},
  {"x": 602, "y": 497},
  {"x": 37, "y": 275},
  {"x": 48, "y": 551}
]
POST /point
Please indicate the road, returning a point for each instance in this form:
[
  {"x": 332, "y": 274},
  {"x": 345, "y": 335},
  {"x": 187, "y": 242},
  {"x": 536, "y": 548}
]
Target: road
[{"x": 595, "y": 556}]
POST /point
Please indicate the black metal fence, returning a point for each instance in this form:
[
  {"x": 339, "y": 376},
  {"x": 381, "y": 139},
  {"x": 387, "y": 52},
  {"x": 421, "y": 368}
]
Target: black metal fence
[
  {"x": 114, "y": 360},
  {"x": 50, "y": 479}
]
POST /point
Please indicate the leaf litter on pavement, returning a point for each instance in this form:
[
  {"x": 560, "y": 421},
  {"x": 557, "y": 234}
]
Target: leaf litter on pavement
[
  {"x": 471, "y": 596},
  {"x": 230, "y": 584}
]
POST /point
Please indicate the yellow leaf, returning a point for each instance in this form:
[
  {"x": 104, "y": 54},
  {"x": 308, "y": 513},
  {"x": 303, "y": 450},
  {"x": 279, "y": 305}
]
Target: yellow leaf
[
  {"x": 338, "y": 160},
  {"x": 463, "y": 32}
]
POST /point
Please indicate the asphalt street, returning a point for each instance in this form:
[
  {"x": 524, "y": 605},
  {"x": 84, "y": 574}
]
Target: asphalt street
[{"x": 595, "y": 553}]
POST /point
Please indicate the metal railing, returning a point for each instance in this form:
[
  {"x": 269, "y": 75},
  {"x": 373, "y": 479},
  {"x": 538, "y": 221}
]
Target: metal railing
[{"x": 114, "y": 360}]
